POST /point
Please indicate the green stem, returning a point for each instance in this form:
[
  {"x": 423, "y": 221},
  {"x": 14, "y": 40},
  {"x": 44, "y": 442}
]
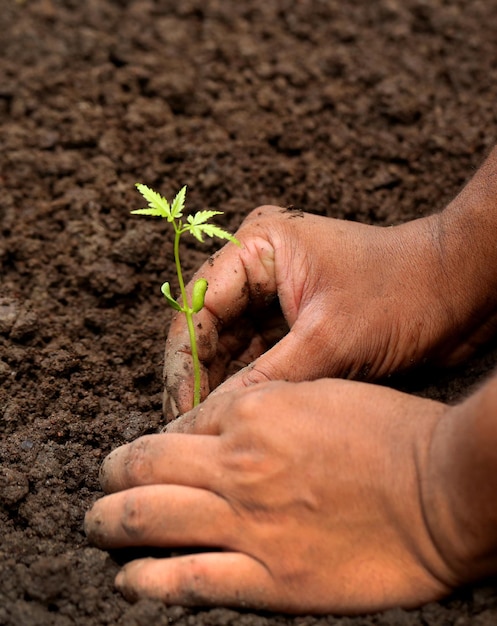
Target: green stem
[
  {"x": 178, "y": 232},
  {"x": 187, "y": 310},
  {"x": 196, "y": 362}
]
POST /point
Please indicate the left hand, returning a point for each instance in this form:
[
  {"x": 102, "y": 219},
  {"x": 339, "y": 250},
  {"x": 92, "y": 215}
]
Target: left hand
[{"x": 307, "y": 497}]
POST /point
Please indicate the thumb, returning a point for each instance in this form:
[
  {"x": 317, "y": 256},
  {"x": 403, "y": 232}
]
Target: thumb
[{"x": 296, "y": 357}]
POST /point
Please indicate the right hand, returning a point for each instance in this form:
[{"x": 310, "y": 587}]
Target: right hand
[
  {"x": 359, "y": 302},
  {"x": 326, "y": 514}
]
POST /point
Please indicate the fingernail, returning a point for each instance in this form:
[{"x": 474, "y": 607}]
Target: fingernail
[
  {"x": 104, "y": 469},
  {"x": 93, "y": 526},
  {"x": 119, "y": 581},
  {"x": 102, "y": 472},
  {"x": 86, "y": 523},
  {"x": 122, "y": 585},
  {"x": 169, "y": 406}
]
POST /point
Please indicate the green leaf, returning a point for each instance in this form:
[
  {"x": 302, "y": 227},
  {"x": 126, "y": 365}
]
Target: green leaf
[
  {"x": 196, "y": 231},
  {"x": 198, "y": 228},
  {"x": 157, "y": 205},
  {"x": 211, "y": 230},
  {"x": 202, "y": 216},
  {"x": 195, "y": 222},
  {"x": 166, "y": 291},
  {"x": 178, "y": 203},
  {"x": 149, "y": 211}
]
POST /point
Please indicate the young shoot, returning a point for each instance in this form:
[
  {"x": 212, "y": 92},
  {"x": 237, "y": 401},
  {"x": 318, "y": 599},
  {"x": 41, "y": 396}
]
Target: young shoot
[{"x": 198, "y": 226}]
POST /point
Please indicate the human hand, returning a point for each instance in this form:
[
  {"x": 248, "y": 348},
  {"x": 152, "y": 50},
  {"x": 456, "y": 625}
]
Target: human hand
[
  {"x": 311, "y": 495},
  {"x": 359, "y": 301}
]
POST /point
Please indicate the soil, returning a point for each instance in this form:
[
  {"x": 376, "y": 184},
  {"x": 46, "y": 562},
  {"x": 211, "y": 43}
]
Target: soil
[{"x": 370, "y": 111}]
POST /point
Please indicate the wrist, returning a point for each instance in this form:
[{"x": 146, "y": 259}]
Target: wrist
[
  {"x": 467, "y": 247},
  {"x": 459, "y": 487}
]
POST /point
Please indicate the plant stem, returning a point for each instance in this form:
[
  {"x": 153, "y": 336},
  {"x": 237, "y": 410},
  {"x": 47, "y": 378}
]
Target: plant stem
[
  {"x": 196, "y": 362},
  {"x": 187, "y": 310}
]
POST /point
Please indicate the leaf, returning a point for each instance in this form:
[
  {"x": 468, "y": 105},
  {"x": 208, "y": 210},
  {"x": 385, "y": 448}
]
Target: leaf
[
  {"x": 202, "y": 216},
  {"x": 196, "y": 231},
  {"x": 211, "y": 230},
  {"x": 178, "y": 203},
  {"x": 166, "y": 292},
  {"x": 196, "y": 222},
  {"x": 148, "y": 211},
  {"x": 157, "y": 205},
  {"x": 198, "y": 228}
]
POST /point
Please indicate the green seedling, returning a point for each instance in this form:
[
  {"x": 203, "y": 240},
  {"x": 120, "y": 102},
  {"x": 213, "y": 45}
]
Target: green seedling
[{"x": 197, "y": 225}]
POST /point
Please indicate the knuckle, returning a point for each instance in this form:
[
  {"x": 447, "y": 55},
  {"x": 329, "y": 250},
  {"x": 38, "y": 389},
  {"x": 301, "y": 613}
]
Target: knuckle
[
  {"x": 242, "y": 441},
  {"x": 191, "y": 582},
  {"x": 137, "y": 465},
  {"x": 250, "y": 407},
  {"x": 254, "y": 376},
  {"x": 133, "y": 520},
  {"x": 252, "y": 402}
]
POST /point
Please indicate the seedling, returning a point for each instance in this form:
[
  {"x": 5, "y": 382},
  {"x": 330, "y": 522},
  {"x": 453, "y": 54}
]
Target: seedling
[{"x": 198, "y": 226}]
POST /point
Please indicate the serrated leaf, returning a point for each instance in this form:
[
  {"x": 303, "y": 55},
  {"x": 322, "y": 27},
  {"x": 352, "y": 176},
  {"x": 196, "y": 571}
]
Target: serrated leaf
[
  {"x": 211, "y": 230},
  {"x": 201, "y": 217},
  {"x": 198, "y": 228},
  {"x": 166, "y": 292},
  {"x": 196, "y": 231},
  {"x": 157, "y": 204},
  {"x": 149, "y": 211},
  {"x": 178, "y": 203}
]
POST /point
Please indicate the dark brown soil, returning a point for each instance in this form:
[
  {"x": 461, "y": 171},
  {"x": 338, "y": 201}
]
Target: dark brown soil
[{"x": 372, "y": 111}]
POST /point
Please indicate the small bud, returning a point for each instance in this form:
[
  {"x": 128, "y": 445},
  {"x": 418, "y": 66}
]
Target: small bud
[{"x": 198, "y": 295}]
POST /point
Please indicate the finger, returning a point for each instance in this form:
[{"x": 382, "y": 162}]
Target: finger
[
  {"x": 178, "y": 390},
  {"x": 161, "y": 458},
  {"x": 238, "y": 346},
  {"x": 236, "y": 276},
  {"x": 170, "y": 409},
  {"x": 236, "y": 351},
  {"x": 208, "y": 579},
  {"x": 303, "y": 354},
  {"x": 234, "y": 343},
  {"x": 162, "y": 516},
  {"x": 208, "y": 418}
]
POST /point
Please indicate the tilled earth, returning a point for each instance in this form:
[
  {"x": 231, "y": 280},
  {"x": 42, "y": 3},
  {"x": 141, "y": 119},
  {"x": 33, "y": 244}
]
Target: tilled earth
[{"x": 370, "y": 111}]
